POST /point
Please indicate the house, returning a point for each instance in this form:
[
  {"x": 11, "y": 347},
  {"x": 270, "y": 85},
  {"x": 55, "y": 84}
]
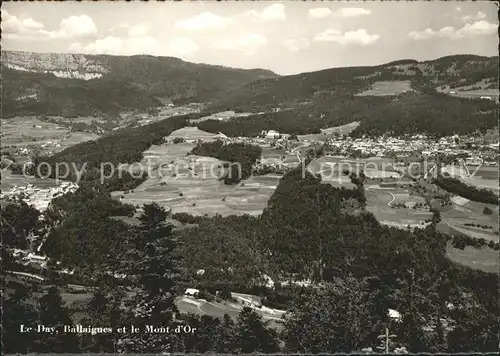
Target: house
[
  {"x": 474, "y": 161},
  {"x": 272, "y": 134},
  {"x": 394, "y": 314},
  {"x": 192, "y": 292}
]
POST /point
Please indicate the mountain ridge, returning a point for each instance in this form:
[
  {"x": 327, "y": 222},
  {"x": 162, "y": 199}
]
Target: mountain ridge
[{"x": 79, "y": 85}]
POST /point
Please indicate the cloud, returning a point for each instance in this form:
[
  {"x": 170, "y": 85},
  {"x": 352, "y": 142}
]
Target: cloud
[
  {"x": 358, "y": 37},
  {"x": 107, "y": 45},
  {"x": 204, "y": 21},
  {"x": 139, "y": 30},
  {"x": 11, "y": 25},
  {"x": 248, "y": 44},
  {"x": 29, "y": 29},
  {"x": 77, "y": 26},
  {"x": 296, "y": 45},
  {"x": 269, "y": 13},
  {"x": 478, "y": 16},
  {"x": 353, "y": 12},
  {"x": 345, "y": 12},
  {"x": 320, "y": 12},
  {"x": 478, "y": 28}
]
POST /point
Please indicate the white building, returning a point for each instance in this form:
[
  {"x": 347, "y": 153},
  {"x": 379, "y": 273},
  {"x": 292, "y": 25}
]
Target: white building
[
  {"x": 272, "y": 134},
  {"x": 192, "y": 292}
]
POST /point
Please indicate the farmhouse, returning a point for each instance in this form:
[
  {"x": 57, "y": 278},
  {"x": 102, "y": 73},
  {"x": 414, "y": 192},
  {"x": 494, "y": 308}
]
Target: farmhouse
[
  {"x": 271, "y": 134},
  {"x": 192, "y": 292}
]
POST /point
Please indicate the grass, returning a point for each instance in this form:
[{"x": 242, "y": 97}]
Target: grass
[
  {"x": 223, "y": 116},
  {"x": 484, "y": 259},
  {"x": 197, "y": 191},
  {"x": 377, "y": 202},
  {"x": 384, "y": 88}
]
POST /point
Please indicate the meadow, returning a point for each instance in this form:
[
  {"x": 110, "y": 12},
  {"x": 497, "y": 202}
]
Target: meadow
[
  {"x": 484, "y": 259},
  {"x": 189, "y": 183},
  {"x": 384, "y": 88}
]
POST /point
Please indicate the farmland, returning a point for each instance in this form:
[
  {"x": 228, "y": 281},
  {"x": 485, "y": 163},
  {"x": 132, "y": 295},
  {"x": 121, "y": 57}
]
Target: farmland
[
  {"x": 384, "y": 88},
  {"x": 484, "y": 259},
  {"x": 380, "y": 201},
  {"x": 222, "y": 116},
  {"x": 191, "y": 184},
  {"x": 329, "y": 132},
  {"x": 482, "y": 177}
]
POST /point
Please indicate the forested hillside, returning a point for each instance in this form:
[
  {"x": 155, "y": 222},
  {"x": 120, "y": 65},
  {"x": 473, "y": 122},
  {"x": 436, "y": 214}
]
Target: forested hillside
[
  {"x": 48, "y": 84},
  {"x": 424, "y": 76},
  {"x": 364, "y": 269},
  {"x": 408, "y": 113}
]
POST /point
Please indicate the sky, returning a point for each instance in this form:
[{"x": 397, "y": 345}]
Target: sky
[{"x": 286, "y": 37}]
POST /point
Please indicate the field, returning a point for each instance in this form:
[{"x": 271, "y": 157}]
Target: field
[
  {"x": 380, "y": 201},
  {"x": 10, "y": 180},
  {"x": 484, "y": 259},
  {"x": 384, "y": 88},
  {"x": 189, "y": 183},
  {"x": 271, "y": 155},
  {"x": 453, "y": 220},
  {"x": 329, "y": 132},
  {"x": 198, "y": 191},
  {"x": 218, "y": 309},
  {"x": 222, "y": 116},
  {"x": 475, "y": 91},
  {"x": 455, "y": 217},
  {"x": 34, "y": 134},
  {"x": 484, "y": 177},
  {"x": 193, "y": 133}
]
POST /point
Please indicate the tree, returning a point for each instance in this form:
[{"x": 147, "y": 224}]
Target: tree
[
  {"x": 340, "y": 318},
  {"x": 53, "y": 313},
  {"x": 103, "y": 310},
  {"x": 154, "y": 262},
  {"x": 17, "y": 311},
  {"x": 254, "y": 335}
]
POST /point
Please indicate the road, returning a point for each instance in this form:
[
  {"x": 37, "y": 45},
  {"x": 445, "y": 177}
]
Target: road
[
  {"x": 215, "y": 309},
  {"x": 393, "y": 198}
]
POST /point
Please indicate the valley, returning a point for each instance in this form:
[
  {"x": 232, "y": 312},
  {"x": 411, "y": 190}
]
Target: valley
[{"x": 234, "y": 197}]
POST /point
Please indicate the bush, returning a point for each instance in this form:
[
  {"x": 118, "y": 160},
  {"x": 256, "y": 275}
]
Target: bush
[
  {"x": 487, "y": 211},
  {"x": 225, "y": 294}
]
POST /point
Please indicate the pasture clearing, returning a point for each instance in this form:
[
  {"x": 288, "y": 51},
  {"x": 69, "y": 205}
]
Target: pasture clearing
[
  {"x": 475, "y": 232},
  {"x": 484, "y": 259},
  {"x": 223, "y": 116},
  {"x": 193, "y": 134},
  {"x": 384, "y": 88},
  {"x": 191, "y": 184},
  {"x": 10, "y": 180},
  {"x": 471, "y": 212},
  {"x": 330, "y": 132},
  {"x": 343, "y": 129},
  {"x": 379, "y": 202},
  {"x": 34, "y": 134},
  {"x": 483, "y": 177},
  {"x": 474, "y": 91},
  {"x": 218, "y": 309}
]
